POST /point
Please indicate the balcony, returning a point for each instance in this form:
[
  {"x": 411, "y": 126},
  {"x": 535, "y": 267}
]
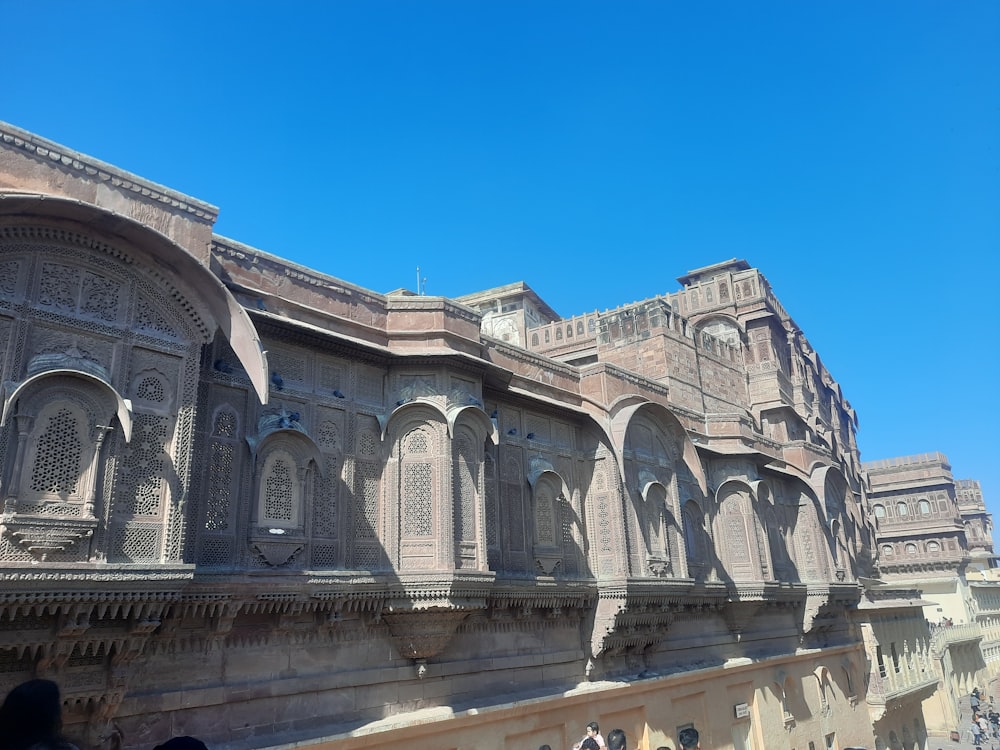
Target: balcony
[
  {"x": 915, "y": 680},
  {"x": 945, "y": 635}
]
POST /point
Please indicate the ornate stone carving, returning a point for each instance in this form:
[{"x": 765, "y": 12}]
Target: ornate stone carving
[
  {"x": 42, "y": 536},
  {"x": 423, "y": 634},
  {"x": 276, "y": 554}
]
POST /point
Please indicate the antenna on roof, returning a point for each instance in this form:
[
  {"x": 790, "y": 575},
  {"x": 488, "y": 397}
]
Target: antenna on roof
[{"x": 421, "y": 283}]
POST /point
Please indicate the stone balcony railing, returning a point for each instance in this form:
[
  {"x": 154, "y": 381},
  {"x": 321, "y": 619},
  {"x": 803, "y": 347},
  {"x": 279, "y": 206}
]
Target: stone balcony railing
[
  {"x": 885, "y": 686},
  {"x": 944, "y": 636}
]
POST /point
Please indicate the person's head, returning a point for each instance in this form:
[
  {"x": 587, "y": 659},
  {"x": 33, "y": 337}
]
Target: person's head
[
  {"x": 616, "y": 739},
  {"x": 182, "y": 743},
  {"x": 589, "y": 743},
  {"x": 593, "y": 729},
  {"x": 31, "y": 714},
  {"x": 688, "y": 737}
]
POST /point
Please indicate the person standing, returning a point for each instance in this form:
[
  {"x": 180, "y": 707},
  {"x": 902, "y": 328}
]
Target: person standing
[
  {"x": 616, "y": 740},
  {"x": 594, "y": 733},
  {"x": 688, "y": 739},
  {"x": 31, "y": 717}
]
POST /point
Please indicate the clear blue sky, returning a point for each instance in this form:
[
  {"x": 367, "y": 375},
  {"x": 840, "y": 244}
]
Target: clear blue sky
[{"x": 850, "y": 150}]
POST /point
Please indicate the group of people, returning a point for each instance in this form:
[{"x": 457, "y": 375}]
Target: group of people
[
  {"x": 687, "y": 739},
  {"x": 31, "y": 719},
  {"x": 985, "y": 721}
]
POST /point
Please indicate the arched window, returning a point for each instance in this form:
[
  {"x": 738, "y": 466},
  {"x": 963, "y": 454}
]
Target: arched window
[
  {"x": 59, "y": 461},
  {"x": 901, "y": 509},
  {"x": 848, "y": 680},
  {"x": 61, "y": 424},
  {"x": 534, "y": 339},
  {"x": 579, "y": 328},
  {"x": 887, "y": 550},
  {"x": 879, "y": 511},
  {"x": 787, "y": 693},
  {"x": 591, "y": 326},
  {"x": 923, "y": 507},
  {"x": 569, "y": 331},
  {"x": 933, "y": 547},
  {"x": 548, "y": 501},
  {"x": 545, "y": 511},
  {"x": 548, "y": 336},
  {"x": 911, "y": 549},
  {"x": 694, "y": 539},
  {"x": 559, "y": 334},
  {"x": 280, "y": 501}
]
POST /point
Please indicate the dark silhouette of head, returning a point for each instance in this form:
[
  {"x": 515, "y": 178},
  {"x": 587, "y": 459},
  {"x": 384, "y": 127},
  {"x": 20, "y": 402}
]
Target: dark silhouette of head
[
  {"x": 182, "y": 743},
  {"x": 616, "y": 739},
  {"x": 31, "y": 714},
  {"x": 688, "y": 737},
  {"x": 589, "y": 744}
]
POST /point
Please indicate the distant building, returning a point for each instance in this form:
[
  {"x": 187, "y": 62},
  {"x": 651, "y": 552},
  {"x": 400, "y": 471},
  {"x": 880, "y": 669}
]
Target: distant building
[
  {"x": 935, "y": 537},
  {"x": 252, "y": 502}
]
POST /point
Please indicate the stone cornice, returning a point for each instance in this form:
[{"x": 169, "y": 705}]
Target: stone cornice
[
  {"x": 249, "y": 255},
  {"x": 529, "y": 357},
  {"x": 406, "y": 302},
  {"x": 93, "y": 169},
  {"x": 620, "y": 373}
]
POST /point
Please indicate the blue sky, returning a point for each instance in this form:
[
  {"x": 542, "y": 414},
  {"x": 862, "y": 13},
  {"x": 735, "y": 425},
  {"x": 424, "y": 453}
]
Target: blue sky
[{"x": 597, "y": 151}]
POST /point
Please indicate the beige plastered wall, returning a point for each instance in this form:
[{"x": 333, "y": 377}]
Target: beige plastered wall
[{"x": 650, "y": 711}]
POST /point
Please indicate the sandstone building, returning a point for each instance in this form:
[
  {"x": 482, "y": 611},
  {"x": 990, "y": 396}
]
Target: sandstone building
[
  {"x": 934, "y": 536},
  {"x": 255, "y": 503}
]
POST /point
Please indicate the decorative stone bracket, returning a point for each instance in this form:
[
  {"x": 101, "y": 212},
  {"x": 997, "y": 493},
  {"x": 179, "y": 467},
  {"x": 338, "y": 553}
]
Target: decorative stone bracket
[
  {"x": 422, "y": 635},
  {"x": 636, "y": 617},
  {"x": 117, "y": 627},
  {"x": 825, "y": 607},
  {"x": 42, "y": 536}
]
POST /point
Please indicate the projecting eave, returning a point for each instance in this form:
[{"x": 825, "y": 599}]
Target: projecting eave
[
  {"x": 517, "y": 289},
  {"x": 733, "y": 265},
  {"x": 381, "y": 353},
  {"x": 981, "y": 583},
  {"x": 883, "y": 604}
]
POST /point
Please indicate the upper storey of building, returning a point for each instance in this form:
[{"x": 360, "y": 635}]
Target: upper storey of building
[
  {"x": 720, "y": 360},
  {"x": 728, "y": 353},
  {"x": 921, "y": 522},
  {"x": 977, "y": 520}
]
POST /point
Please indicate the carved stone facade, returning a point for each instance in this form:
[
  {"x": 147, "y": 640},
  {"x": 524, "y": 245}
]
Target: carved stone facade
[{"x": 467, "y": 522}]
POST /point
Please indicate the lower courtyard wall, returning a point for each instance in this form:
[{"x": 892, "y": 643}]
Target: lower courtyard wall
[{"x": 788, "y": 701}]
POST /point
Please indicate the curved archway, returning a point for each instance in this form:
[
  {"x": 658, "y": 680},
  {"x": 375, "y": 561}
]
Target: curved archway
[
  {"x": 123, "y": 408},
  {"x": 625, "y": 408},
  {"x": 198, "y": 291},
  {"x": 655, "y": 474}
]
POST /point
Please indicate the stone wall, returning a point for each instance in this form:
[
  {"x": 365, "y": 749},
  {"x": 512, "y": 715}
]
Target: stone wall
[{"x": 252, "y": 502}]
